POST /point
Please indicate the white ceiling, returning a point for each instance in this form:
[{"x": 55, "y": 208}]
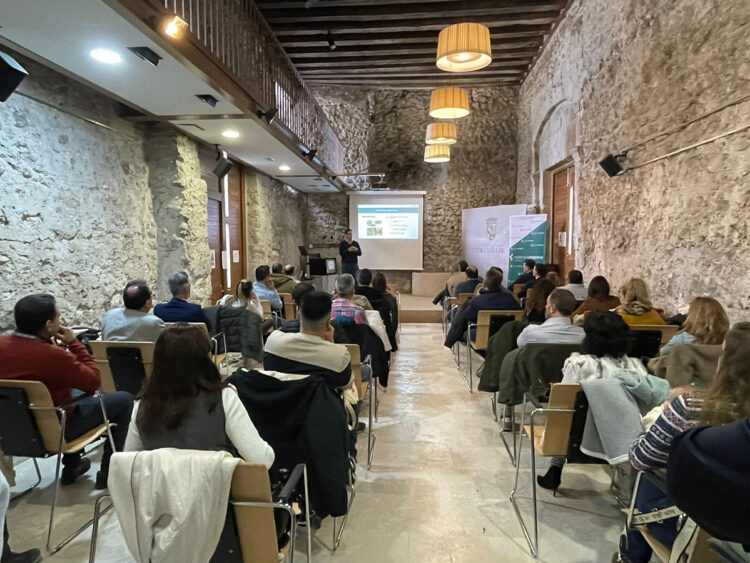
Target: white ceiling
[{"x": 63, "y": 32}]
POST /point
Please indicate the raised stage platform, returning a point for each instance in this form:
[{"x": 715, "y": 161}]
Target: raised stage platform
[{"x": 419, "y": 309}]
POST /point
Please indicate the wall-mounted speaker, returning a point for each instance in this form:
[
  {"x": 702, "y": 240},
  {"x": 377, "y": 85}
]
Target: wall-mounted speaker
[
  {"x": 11, "y": 75},
  {"x": 223, "y": 166},
  {"x": 614, "y": 165}
]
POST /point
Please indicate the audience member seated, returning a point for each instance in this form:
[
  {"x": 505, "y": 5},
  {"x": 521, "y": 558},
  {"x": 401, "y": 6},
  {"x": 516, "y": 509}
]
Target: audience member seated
[
  {"x": 471, "y": 283},
  {"x": 178, "y": 310},
  {"x": 389, "y": 311},
  {"x": 178, "y": 406},
  {"x": 300, "y": 292},
  {"x": 459, "y": 275},
  {"x": 575, "y": 285},
  {"x": 364, "y": 288},
  {"x": 528, "y": 274},
  {"x": 283, "y": 283},
  {"x": 289, "y": 271},
  {"x": 704, "y": 464},
  {"x": 598, "y": 298},
  {"x": 493, "y": 298},
  {"x": 555, "y": 278},
  {"x": 245, "y": 297},
  {"x": 454, "y": 271},
  {"x": 343, "y": 309},
  {"x": 134, "y": 321},
  {"x": 539, "y": 271},
  {"x": 636, "y": 307},
  {"x": 536, "y": 304},
  {"x": 557, "y": 329},
  {"x": 706, "y": 323},
  {"x": 726, "y": 400},
  {"x": 29, "y": 556},
  {"x": 31, "y": 353},
  {"x": 265, "y": 290}
]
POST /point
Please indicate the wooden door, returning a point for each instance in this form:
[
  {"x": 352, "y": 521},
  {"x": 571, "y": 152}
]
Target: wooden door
[
  {"x": 561, "y": 240},
  {"x": 215, "y": 245},
  {"x": 233, "y": 227}
]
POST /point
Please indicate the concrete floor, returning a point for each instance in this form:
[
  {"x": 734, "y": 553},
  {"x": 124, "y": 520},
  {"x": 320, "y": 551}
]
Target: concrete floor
[{"x": 437, "y": 491}]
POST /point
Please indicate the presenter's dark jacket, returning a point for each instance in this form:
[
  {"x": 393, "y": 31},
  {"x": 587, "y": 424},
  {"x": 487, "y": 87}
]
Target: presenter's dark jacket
[
  {"x": 179, "y": 311},
  {"x": 349, "y": 256},
  {"x": 498, "y": 299},
  {"x": 707, "y": 477},
  {"x": 524, "y": 278}
]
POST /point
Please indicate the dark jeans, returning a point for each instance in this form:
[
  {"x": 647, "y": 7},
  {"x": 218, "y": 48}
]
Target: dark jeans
[
  {"x": 88, "y": 415},
  {"x": 350, "y": 268},
  {"x": 650, "y": 498}
]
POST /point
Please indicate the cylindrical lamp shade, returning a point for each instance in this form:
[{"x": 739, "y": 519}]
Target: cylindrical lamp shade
[
  {"x": 449, "y": 103},
  {"x": 464, "y": 47},
  {"x": 437, "y": 153},
  {"x": 443, "y": 133}
]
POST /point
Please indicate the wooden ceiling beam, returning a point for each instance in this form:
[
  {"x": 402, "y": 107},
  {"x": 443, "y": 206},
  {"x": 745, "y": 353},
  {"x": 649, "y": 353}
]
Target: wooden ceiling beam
[
  {"x": 300, "y": 4},
  {"x": 333, "y": 58},
  {"x": 401, "y": 49},
  {"x": 430, "y": 37},
  {"x": 412, "y": 75},
  {"x": 417, "y": 84},
  {"x": 402, "y": 65},
  {"x": 407, "y": 25},
  {"x": 447, "y": 11}
]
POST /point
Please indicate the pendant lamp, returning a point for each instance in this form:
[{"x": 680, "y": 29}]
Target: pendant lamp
[
  {"x": 449, "y": 103},
  {"x": 442, "y": 133},
  {"x": 464, "y": 47},
  {"x": 437, "y": 153}
]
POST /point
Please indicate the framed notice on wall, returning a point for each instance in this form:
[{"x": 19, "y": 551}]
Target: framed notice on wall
[{"x": 528, "y": 239}]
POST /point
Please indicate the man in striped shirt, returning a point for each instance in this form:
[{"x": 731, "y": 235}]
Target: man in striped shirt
[{"x": 343, "y": 309}]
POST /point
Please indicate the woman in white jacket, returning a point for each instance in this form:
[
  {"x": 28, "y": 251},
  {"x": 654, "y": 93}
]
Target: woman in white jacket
[{"x": 185, "y": 405}]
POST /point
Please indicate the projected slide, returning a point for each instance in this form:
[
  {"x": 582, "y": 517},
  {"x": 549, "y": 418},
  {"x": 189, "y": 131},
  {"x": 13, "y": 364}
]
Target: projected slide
[{"x": 388, "y": 221}]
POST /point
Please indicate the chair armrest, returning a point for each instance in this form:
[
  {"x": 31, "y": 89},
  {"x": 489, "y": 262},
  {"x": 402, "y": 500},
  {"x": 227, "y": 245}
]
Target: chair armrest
[
  {"x": 75, "y": 400},
  {"x": 533, "y": 400},
  {"x": 367, "y": 360},
  {"x": 291, "y": 484}
]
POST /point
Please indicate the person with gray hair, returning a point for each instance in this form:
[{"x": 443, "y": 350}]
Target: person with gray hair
[
  {"x": 343, "y": 309},
  {"x": 178, "y": 309}
]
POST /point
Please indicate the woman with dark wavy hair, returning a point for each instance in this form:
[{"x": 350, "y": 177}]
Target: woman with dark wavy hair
[{"x": 185, "y": 405}]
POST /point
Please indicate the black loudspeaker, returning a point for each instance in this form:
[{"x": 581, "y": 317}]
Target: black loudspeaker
[
  {"x": 614, "y": 165},
  {"x": 11, "y": 75},
  {"x": 318, "y": 267},
  {"x": 223, "y": 166}
]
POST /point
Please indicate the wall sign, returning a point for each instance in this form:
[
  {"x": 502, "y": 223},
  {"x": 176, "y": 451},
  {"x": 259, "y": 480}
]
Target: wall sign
[
  {"x": 235, "y": 256},
  {"x": 528, "y": 239},
  {"x": 213, "y": 259}
]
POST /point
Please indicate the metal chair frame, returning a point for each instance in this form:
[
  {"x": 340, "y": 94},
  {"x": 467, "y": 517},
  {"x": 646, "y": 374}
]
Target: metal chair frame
[{"x": 513, "y": 455}]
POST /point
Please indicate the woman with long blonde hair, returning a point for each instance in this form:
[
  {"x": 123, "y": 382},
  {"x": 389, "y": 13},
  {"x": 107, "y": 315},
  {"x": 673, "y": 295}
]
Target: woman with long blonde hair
[
  {"x": 244, "y": 296},
  {"x": 706, "y": 323},
  {"x": 636, "y": 307},
  {"x": 726, "y": 400}
]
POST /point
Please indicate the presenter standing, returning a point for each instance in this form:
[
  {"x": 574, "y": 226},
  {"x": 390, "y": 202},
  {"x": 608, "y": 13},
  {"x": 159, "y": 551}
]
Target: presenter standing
[{"x": 349, "y": 250}]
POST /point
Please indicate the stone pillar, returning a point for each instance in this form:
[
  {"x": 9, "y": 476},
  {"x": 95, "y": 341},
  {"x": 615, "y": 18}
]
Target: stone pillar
[{"x": 180, "y": 203}]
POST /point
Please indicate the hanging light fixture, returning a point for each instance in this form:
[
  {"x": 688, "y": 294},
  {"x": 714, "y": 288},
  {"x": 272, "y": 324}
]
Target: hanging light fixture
[
  {"x": 437, "y": 153},
  {"x": 464, "y": 47},
  {"x": 442, "y": 133},
  {"x": 449, "y": 103}
]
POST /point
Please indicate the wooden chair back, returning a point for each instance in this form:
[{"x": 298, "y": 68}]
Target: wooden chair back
[
  {"x": 266, "y": 309},
  {"x": 517, "y": 287},
  {"x": 483, "y": 326},
  {"x": 255, "y": 525},
  {"x": 556, "y": 433},
  {"x": 290, "y": 309},
  {"x": 99, "y": 348},
  {"x": 356, "y": 361},
  {"x": 463, "y": 298},
  {"x": 529, "y": 294},
  {"x": 47, "y": 422},
  {"x": 667, "y": 331}
]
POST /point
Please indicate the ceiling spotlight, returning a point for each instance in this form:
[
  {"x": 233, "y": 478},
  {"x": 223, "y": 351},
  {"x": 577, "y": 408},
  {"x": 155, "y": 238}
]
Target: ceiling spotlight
[
  {"x": 230, "y": 134},
  {"x": 310, "y": 155},
  {"x": 174, "y": 27},
  {"x": 285, "y": 168},
  {"x": 207, "y": 99},
  {"x": 267, "y": 116},
  {"x": 145, "y": 54},
  {"x": 106, "y": 56},
  {"x": 331, "y": 42}
]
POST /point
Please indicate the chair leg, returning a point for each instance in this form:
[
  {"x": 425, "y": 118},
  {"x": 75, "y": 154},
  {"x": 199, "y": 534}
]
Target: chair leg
[
  {"x": 34, "y": 486},
  {"x": 307, "y": 517},
  {"x": 513, "y": 455},
  {"x": 370, "y": 433},
  {"x": 533, "y": 547},
  {"x": 98, "y": 513},
  {"x": 493, "y": 404},
  {"x": 375, "y": 381}
]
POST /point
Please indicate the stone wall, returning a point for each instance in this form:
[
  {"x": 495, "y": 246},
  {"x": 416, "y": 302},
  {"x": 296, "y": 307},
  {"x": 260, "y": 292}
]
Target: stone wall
[
  {"x": 482, "y": 170},
  {"x": 617, "y": 73},
  {"x": 276, "y": 222},
  {"x": 83, "y": 209}
]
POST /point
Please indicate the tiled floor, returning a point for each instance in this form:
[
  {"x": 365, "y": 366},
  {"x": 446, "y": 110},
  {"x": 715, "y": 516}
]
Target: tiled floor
[{"x": 438, "y": 488}]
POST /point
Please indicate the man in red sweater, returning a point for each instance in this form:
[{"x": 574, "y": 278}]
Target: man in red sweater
[{"x": 41, "y": 349}]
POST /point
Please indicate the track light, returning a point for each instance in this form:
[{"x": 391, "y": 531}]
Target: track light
[
  {"x": 331, "y": 42},
  {"x": 310, "y": 155},
  {"x": 207, "y": 99},
  {"x": 267, "y": 116},
  {"x": 146, "y": 54},
  {"x": 615, "y": 165}
]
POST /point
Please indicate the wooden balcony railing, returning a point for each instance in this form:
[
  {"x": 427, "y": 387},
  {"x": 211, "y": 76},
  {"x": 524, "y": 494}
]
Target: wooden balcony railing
[{"x": 236, "y": 34}]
